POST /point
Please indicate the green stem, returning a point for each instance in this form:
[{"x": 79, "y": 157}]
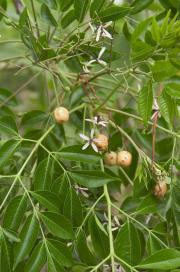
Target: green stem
[
  {"x": 126, "y": 264},
  {"x": 100, "y": 264},
  {"x": 111, "y": 240}
]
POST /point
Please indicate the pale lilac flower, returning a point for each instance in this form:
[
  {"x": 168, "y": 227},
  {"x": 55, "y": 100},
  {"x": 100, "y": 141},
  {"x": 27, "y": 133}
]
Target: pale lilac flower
[
  {"x": 101, "y": 31},
  {"x": 98, "y": 121},
  {"x": 89, "y": 140}
]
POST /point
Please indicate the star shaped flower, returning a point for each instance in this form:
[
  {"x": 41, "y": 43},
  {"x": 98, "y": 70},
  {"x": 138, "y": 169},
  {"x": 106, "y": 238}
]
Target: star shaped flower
[{"x": 89, "y": 141}]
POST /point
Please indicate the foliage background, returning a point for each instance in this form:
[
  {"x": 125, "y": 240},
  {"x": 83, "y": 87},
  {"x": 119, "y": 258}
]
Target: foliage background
[{"x": 48, "y": 218}]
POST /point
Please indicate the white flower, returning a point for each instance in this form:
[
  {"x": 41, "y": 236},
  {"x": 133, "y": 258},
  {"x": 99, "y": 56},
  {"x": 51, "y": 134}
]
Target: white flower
[
  {"x": 89, "y": 140},
  {"x": 155, "y": 108},
  {"x": 101, "y": 31},
  {"x": 81, "y": 190},
  {"x": 155, "y": 105},
  {"x": 99, "y": 60},
  {"x": 115, "y": 222},
  {"x": 97, "y": 121}
]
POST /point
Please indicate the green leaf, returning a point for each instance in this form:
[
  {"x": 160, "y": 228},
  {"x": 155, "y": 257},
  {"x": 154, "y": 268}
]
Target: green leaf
[
  {"x": 128, "y": 245},
  {"x": 61, "y": 187},
  {"x": 173, "y": 89},
  {"x": 48, "y": 199},
  {"x": 7, "y": 151},
  {"x": 153, "y": 245},
  {"x": 83, "y": 251},
  {"x": 75, "y": 153},
  {"x": 147, "y": 205},
  {"x": 175, "y": 211},
  {"x": 59, "y": 252},
  {"x": 43, "y": 175},
  {"x": 28, "y": 236},
  {"x": 145, "y": 102},
  {"x": 140, "y": 28},
  {"x": 96, "y": 6},
  {"x": 81, "y": 8},
  {"x": 72, "y": 208},
  {"x": 167, "y": 107},
  {"x": 164, "y": 259},
  {"x": 37, "y": 259},
  {"x": 68, "y": 18},
  {"x": 99, "y": 237},
  {"x": 47, "y": 15},
  {"x": 58, "y": 225},
  {"x": 50, "y": 3},
  {"x": 6, "y": 255},
  {"x": 64, "y": 5},
  {"x": 141, "y": 51},
  {"x": 34, "y": 117},
  {"x": 7, "y": 97},
  {"x": 113, "y": 13},
  {"x": 14, "y": 212},
  {"x": 3, "y": 6},
  {"x": 139, "y": 5},
  {"x": 155, "y": 31},
  {"x": 163, "y": 69},
  {"x": 127, "y": 31},
  {"x": 164, "y": 26},
  {"x": 11, "y": 235},
  {"x": 8, "y": 125},
  {"x": 91, "y": 179}
]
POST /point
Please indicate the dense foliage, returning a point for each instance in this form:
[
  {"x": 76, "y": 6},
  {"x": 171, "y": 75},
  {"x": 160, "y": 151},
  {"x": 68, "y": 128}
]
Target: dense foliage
[{"x": 89, "y": 161}]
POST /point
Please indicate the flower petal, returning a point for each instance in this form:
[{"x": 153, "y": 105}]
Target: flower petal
[
  {"x": 108, "y": 24},
  {"x": 84, "y": 137},
  {"x": 101, "y": 52},
  {"x": 89, "y": 120},
  {"x": 90, "y": 62},
  {"x": 92, "y": 133},
  {"x": 85, "y": 69},
  {"x": 94, "y": 147},
  {"x": 107, "y": 34},
  {"x": 102, "y": 123},
  {"x": 99, "y": 30},
  {"x": 92, "y": 27},
  {"x": 102, "y": 62},
  {"x": 85, "y": 146}
]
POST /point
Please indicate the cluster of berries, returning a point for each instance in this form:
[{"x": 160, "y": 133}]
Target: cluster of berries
[
  {"x": 122, "y": 158},
  {"x": 100, "y": 143}
]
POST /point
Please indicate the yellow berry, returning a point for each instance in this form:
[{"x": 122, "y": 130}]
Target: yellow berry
[
  {"x": 124, "y": 158},
  {"x": 61, "y": 115},
  {"x": 110, "y": 158},
  {"x": 160, "y": 189},
  {"x": 101, "y": 141}
]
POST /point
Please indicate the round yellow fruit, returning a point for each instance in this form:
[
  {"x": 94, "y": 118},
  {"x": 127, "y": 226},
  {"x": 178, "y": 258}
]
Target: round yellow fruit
[
  {"x": 61, "y": 115},
  {"x": 101, "y": 141},
  {"x": 160, "y": 189},
  {"x": 110, "y": 158},
  {"x": 124, "y": 158}
]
